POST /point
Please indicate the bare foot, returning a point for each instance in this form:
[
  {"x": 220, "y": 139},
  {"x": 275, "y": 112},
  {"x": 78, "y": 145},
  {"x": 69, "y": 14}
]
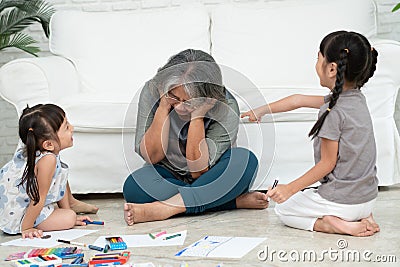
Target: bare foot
[
  {"x": 335, "y": 225},
  {"x": 253, "y": 200},
  {"x": 82, "y": 207},
  {"x": 148, "y": 212},
  {"x": 128, "y": 214},
  {"x": 371, "y": 220}
]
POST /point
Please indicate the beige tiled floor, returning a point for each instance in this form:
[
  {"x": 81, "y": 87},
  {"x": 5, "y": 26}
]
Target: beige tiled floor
[{"x": 253, "y": 223}]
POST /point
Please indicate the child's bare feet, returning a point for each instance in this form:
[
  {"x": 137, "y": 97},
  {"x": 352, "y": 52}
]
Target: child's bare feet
[
  {"x": 371, "y": 220},
  {"x": 335, "y": 225},
  {"x": 82, "y": 207},
  {"x": 77, "y": 205},
  {"x": 148, "y": 212},
  {"x": 253, "y": 200}
]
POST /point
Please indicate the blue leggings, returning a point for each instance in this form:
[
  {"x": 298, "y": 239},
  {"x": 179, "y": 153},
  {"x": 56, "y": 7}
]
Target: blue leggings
[{"x": 215, "y": 190}]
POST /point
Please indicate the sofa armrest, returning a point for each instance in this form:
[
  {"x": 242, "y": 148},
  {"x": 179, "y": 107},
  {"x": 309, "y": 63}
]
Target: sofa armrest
[
  {"x": 37, "y": 80},
  {"x": 388, "y": 59},
  {"x": 382, "y": 89}
]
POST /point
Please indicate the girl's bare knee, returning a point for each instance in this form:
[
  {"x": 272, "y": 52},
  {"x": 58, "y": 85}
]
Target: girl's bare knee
[
  {"x": 60, "y": 219},
  {"x": 70, "y": 218}
]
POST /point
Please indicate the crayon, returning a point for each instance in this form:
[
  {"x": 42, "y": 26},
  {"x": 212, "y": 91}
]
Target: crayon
[
  {"x": 171, "y": 236},
  {"x": 77, "y": 260},
  {"x": 94, "y": 222},
  {"x": 160, "y": 234},
  {"x": 95, "y": 248},
  {"x": 95, "y": 258},
  {"x": 154, "y": 236},
  {"x": 80, "y": 244},
  {"x": 72, "y": 256},
  {"x": 41, "y": 260}
]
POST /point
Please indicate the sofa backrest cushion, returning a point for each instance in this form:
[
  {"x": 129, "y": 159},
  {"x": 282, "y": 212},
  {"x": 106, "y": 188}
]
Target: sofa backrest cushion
[
  {"x": 275, "y": 44},
  {"x": 120, "y": 51}
]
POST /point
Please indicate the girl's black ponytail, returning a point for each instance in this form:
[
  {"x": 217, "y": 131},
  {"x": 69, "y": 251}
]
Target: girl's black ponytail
[
  {"x": 36, "y": 125},
  {"x": 337, "y": 90},
  {"x": 372, "y": 66},
  {"x": 371, "y": 57},
  {"x": 29, "y": 177}
]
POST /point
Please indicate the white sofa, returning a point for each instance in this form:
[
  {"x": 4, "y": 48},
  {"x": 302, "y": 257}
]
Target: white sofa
[{"x": 267, "y": 51}]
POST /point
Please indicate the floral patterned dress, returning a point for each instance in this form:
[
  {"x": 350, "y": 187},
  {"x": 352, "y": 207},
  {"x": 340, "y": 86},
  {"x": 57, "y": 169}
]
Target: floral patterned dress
[{"x": 13, "y": 198}]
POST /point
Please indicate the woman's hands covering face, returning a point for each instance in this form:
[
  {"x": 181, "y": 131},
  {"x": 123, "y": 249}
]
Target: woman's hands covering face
[{"x": 201, "y": 110}]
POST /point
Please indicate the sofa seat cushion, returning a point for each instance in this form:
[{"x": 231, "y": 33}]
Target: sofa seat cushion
[
  {"x": 100, "y": 112},
  {"x": 112, "y": 112}
]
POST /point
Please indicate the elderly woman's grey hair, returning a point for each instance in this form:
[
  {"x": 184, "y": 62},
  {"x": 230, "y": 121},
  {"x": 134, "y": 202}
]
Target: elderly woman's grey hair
[{"x": 197, "y": 72}]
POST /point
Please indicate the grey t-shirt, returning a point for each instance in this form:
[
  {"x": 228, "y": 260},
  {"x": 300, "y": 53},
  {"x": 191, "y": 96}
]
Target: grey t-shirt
[
  {"x": 220, "y": 131},
  {"x": 353, "y": 180}
]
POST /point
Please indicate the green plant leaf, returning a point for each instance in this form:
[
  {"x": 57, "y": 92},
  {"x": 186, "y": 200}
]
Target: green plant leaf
[
  {"x": 14, "y": 21},
  {"x": 41, "y": 11},
  {"x": 20, "y": 41},
  {"x": 23, "y": 14},
  {"x": 17, "y": 15},
  {"x": 397, "y": 7},
  {"x": 10, "y": 3}
]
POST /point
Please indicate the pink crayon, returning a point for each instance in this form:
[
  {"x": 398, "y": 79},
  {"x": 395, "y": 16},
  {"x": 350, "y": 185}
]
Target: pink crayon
[{"x": 160, "y": 233}]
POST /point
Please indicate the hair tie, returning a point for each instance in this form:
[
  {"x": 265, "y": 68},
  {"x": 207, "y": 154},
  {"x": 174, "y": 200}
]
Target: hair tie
[
  {"x": 347, "y": 50},
  {"x": 328, "y": 109},
  {"x": 30, "y": 130}
]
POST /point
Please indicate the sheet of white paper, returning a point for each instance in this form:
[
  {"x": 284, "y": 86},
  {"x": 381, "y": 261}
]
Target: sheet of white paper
[
  {"x": 50, "y": 242},
  {"x": 221, "y": 247},
  {"x": 135, "y": 241},
  {"x": 148, "y": 264}
]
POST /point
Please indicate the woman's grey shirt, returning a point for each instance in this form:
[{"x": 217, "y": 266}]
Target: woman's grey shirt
[
  {"x": 220, "y": 131},
  {"x": 353, "y": 180}
]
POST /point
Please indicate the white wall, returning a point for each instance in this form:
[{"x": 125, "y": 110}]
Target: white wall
[{"x": 388, "y": 27}]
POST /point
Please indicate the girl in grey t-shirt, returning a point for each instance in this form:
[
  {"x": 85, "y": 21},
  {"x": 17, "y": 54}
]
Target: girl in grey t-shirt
[{"x": 344, "y": 144}]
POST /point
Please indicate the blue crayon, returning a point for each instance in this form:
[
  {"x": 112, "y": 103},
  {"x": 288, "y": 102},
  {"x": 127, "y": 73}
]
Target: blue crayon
[
  {"x": 95, "y": 248},
  {"x": 71, "y": 256},
  {"x": 77, "y": 260},
  {"x": 94, "y": 222}
]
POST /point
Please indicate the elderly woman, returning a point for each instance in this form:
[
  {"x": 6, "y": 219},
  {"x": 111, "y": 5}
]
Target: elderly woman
[{"x": 186, "y": 126}]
